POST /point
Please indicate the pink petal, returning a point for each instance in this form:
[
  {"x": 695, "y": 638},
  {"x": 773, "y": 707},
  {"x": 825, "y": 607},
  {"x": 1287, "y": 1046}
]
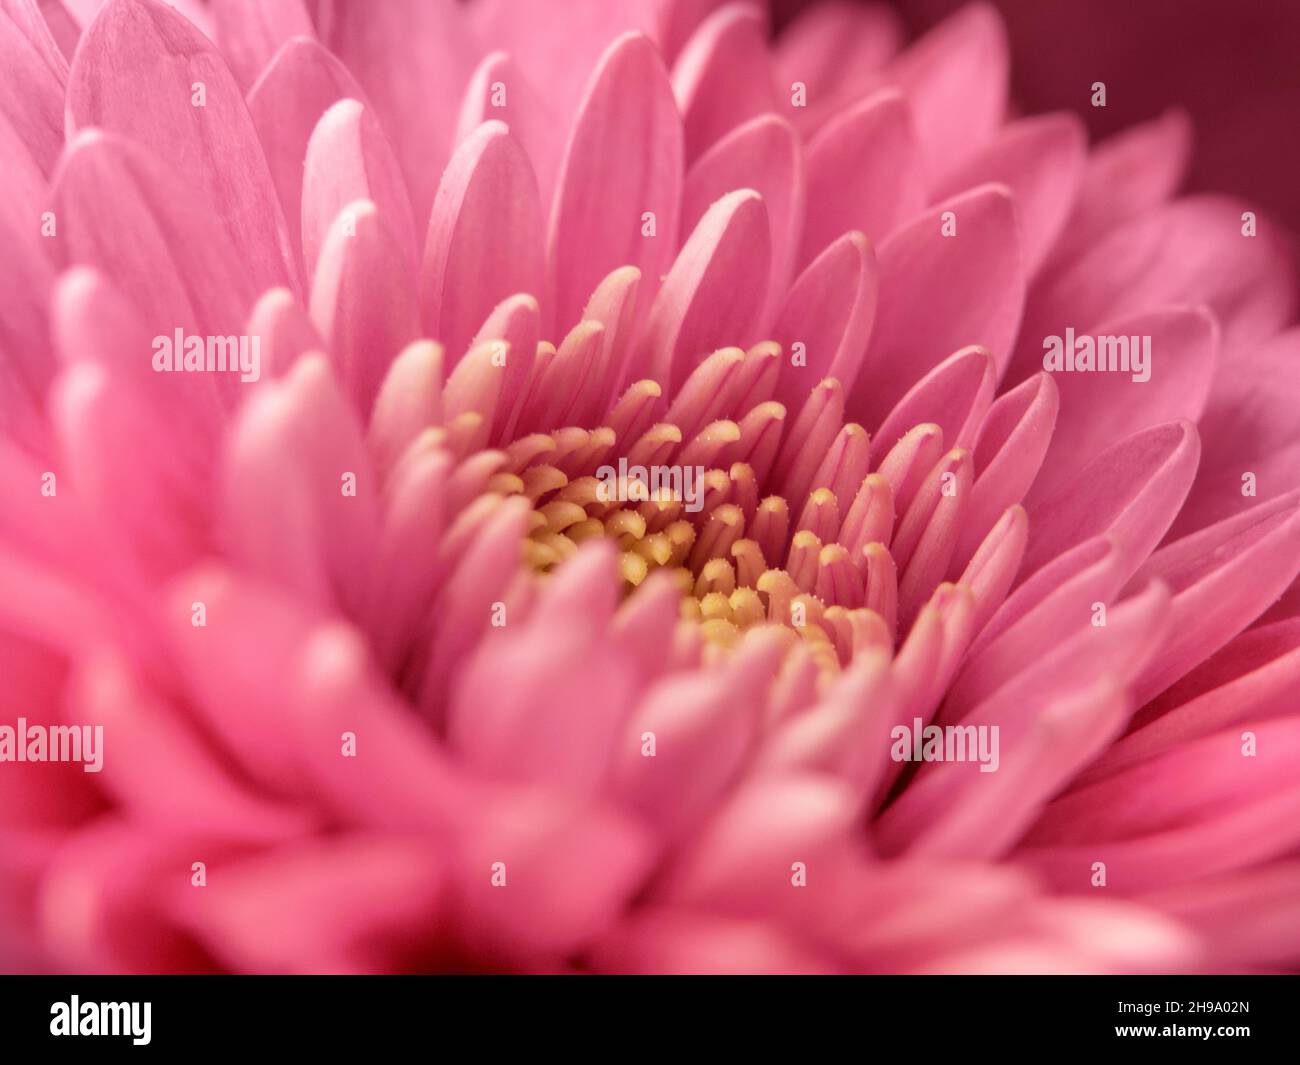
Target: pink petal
[
  {"x": 680, "y": 941},
  {"x": 1041, "y": 160},
  {"x": 834, "y": 47},
  {"x": 1128, "y": 174},
  {"x": 214, "y": 147},
  {"x": 714, "y": 293},
  {"x": 1008, "y": 455},
  {"x": 1131, "y": 492},
  {"x": 106, "y": 426},
  {"x": 864, "y": 173},
  {"x": 763, "y": 154},
  {"x": 348, "y": 158},
  {"x": 295, "y": 441},
  {"x": 830, "y": 310},
  {"x": 552, "y": 656},
  {"x": 480, "y": 578},
  {"x": 613, "y": 304},
  {"x": 994, "y": 565},
  {"x": 147, "y": 733},
  {"x": 363, "y": 300},
  {"x": 160, "y": 242},
  {"x": 485, "y": 237},
  {"x": 285, "y": 103},
  {"x": 31, "y": 94},
  {"x": 1151, "y": 830},
  {"x": 1249, "y": 425},
  {"x": 249, "y": 35},
  {"x": 1213, "y": 907},
  {"x": 955, "y": 80},
  {"x": 700, "y": 743},
  {"x": 1251, "y": 678},
  {"x": 955, "y": 396},
  {"x": 413, "y": 58},
  {"x": 571, "y": 869},
  {"x": 986, "y": 814},
  {"x": 623, "y": 160},
  {"x": 1038, "y": 616},
  {"x": 1189, "y": 252},
  {"x": 534, "y": 35},
  {"x": 723, "y": 76},
  {"x": 284, "y": 329},
  {"x": 499, "y": 92},
  {"x": 345, "y": 904},
  {"x": 1100, "y": 407},
  {"x": 517, "y": 322},
  {"x": 409, "y": 402},
  {"x": 971, "y": 283},
  {"x": 1222, "y": 578}
]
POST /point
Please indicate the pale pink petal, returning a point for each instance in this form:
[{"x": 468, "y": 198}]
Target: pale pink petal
[
  {"x": 864, "y": 173},
  {"x": 1127, "y": 174},
  {"x": 498, "y": 729},
  {"x": 284, "y": 329},
  {"x": 214, "y": 147},
  {"x": 31, "y": 96},
  {"x": 723, "y": 76},
  {"x": 621, "y": 180},
  {"x": 830, "y": 310},
  {"x": 1251, "y": 678},
  {"x": 835, "y": 46},
  {"x": 499, "y": 92},
  {"x": 160, "y": 242},
  {"x": 345, "y": 904},
  {"x": 1130, "y": 492},
  {"x": 1053, "y": 603},
  {"x": 298, "y": 86},
  {"x": 1041, "y": 160},
  {"x": 764, "y": 154},
  {"x": 955, "y": 80},
  {"x": 297, "y": 460},
  {"x": 362, "y": 300},
  {"x": 1222, "y": 578},
  {"x": 413, "y": 58},
  {"x": 485, "y": 237},
  {"x": 1101, "y": 406},
  {"x": 1189, "y": 252},
  {"x": 249, "y": 35},
  {"x": 680, "y": 941},
  {"x": 955, "y": 396},
  {"x": 516, "y": 321},
  {"x": 555, "y": 48},
  {"x": 348, "y": 158},
  {"x": 105, "y": 426},
  {"x": 1008, "y": 455},
  {"x": 971, "y": 284},
  {"x": 1249, "y": 427},
  {"x": 147, "y": 734},
  {"x": 1150, "y": 830},
  {"x": 714, "y": 293}
]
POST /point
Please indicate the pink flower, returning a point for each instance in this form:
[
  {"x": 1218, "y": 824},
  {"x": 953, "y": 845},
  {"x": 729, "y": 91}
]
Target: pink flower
[{"x": 388, "y": 680}]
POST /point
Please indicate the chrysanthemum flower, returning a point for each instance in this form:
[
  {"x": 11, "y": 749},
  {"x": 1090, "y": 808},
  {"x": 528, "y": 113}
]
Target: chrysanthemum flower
[{"x": 389, "y": 679}]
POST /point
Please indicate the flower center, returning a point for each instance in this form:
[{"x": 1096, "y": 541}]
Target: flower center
[{"x": 696, "y": 507}]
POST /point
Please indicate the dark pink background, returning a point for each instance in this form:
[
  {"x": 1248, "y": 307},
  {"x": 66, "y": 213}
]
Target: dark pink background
[{"x": 1233, "y": 64}]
